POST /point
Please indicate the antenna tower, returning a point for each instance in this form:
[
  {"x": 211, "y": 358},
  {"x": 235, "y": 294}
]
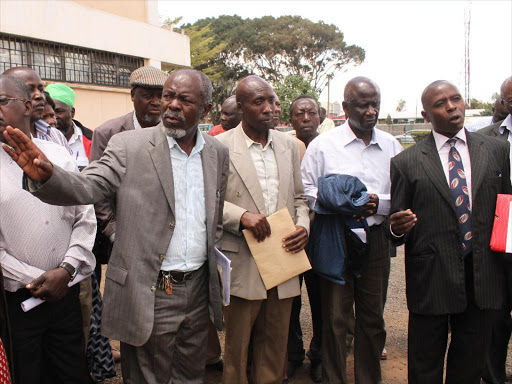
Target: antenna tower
[{"x": 467, "y": 67}]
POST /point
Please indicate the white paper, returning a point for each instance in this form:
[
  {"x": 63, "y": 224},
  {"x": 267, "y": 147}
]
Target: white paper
[
  {"x": 508, "y": 248},
  {"x": 224, "y": 266},
  {"x": 33, "y": 302},
  {"x": 361, "y": 233}
]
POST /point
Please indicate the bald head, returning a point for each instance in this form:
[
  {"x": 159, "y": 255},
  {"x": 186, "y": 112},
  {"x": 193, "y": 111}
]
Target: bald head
[
  {"x": 16, "y": 112},
  {"x": 362, "y": 105},
  {"x": 432, "y": 88},
  {"x": 229, "y": 116},
  {"x": 357, "y": 85},
  {"x": 506, "y": 94},
  {"x": 256, "y": 102},
  {"x": 35, "y": 85}
]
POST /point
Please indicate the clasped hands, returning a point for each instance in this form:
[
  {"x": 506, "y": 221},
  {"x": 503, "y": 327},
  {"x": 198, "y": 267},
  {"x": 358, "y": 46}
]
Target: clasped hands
[{"x": 260, "y": 228}]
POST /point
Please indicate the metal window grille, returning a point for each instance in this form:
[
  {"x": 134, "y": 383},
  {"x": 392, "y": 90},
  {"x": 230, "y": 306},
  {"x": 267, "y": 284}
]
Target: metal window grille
[{"x": 61, "y": 62}]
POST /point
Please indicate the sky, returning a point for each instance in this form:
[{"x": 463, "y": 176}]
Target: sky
[{"x": 408, "y": 44}]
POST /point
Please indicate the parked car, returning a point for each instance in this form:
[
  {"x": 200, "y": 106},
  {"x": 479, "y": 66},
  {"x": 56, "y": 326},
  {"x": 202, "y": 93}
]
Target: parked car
[
  {"x": 408, "y": 137},
  {"x": 205, "y": 127}
]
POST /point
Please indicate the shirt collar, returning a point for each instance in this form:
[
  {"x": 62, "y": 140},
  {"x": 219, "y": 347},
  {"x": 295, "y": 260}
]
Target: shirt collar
[
  {"x": 136, "y": 123},
  {"x": 349, "y": 135},
  {"x": 250, "y": 142},
  {"x": 507, "y": 123},
  {"x": 43, "y": 127},
  {"x": 77, "y": 134},
  {"x": 442, "y": 139},
  {"x": 197, "y": 148}
]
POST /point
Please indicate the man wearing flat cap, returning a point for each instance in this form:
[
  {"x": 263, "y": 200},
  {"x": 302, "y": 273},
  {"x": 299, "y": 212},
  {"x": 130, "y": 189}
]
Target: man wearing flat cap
[{"x": 78, "y": 137}]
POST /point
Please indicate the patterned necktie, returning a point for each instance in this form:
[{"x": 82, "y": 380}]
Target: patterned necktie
[
  {"x": 5, "y": 377},
  {"x": 460, "y": 193}
]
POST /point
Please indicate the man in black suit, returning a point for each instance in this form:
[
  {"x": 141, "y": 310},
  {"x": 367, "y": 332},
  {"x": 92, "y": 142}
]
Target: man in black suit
[
  {"x": 443, "y": 199},
  {"x": 497, "y": 355}
]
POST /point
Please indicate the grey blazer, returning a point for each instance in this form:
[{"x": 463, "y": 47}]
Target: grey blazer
[
  {"x": 137, "y": 167},
  {"x": 434, "y": 263}
]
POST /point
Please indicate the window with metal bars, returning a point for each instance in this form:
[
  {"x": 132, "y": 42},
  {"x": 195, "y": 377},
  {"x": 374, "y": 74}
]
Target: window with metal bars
[{"x": 61, "y": 62}]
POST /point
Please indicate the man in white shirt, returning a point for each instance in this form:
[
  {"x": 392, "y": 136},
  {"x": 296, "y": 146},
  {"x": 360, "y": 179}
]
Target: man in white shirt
[
  {"x": 78, "y": 137},
  {"x": 444, "y": 192},
  {"x": 357, "y": 149},
  {"x": 42, "y": 247}
]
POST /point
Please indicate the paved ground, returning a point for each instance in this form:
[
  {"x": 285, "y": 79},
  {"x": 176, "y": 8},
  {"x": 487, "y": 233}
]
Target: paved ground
[{"x": 394, "y": 370}]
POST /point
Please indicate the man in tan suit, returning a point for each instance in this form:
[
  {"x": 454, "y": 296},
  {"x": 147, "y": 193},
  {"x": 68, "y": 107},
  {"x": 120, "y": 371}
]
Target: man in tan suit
[
  {"x": 162, "y": 279},
  {"x": 264, "y": 177}
]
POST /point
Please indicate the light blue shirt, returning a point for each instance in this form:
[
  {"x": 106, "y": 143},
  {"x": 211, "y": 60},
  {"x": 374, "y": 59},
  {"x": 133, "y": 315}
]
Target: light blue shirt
[{"x": 188, "y": 248}]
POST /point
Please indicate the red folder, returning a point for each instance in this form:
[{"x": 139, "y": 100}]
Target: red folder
[{"x": 501, "y": 238}]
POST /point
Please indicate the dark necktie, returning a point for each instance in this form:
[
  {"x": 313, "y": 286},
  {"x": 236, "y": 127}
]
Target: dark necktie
[{"x": 460, "y": 193}]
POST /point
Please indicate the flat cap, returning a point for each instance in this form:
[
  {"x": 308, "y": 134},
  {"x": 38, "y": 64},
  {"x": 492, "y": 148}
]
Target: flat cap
[{"x": 148, "y": 77}]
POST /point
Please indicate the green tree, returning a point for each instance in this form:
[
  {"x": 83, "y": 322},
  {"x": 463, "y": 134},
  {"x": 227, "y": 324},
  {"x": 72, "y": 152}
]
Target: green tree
[
  {"x": 389, "y": 120},
  {"x": 275, "y": 48},
  {"x": 287, "y": 91}
]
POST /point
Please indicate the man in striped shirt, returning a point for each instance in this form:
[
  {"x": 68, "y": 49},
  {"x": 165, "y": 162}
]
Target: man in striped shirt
[{"x": 38, "y": 128}]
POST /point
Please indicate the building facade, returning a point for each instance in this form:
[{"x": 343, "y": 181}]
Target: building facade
[{"x": 90, "y": 45}]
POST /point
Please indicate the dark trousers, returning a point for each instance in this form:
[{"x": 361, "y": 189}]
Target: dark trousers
[
  {"x": 369, "y": 293},
  {"x": 496, "y": 359},
  {"x": 470, "y": 335},
  {"x": 48, "y": 341},
  {"x": 296, "y": 351}
]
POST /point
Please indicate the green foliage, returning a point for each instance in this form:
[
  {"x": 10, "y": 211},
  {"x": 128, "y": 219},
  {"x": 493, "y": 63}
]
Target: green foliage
[
  {"x": 287, "y": 91},
  {"x": 418, "y": 136},
  {"x": 389, "y": 120},
  {"x": 228, "y": 48}
]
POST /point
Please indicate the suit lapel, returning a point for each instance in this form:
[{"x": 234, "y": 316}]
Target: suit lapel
[
  {"x": 161, "y": 157},
  {"x": 434, "y": 170},
  {"x": 477, "y": 161},
  {"x": 242, "y": 161},
  {"x": 210, "y": 169},
  {"x": 284, "y": 168}
]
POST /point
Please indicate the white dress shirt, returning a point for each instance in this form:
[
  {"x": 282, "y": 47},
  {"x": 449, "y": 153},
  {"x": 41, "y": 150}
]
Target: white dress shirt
[
  {"x": 136, "y": 123},
  {"x": 443, "y": 148},
  {"x": 339, "y": 151},
  {"x": 76, "y": 144},
  {"x": 36, "y": 237},
  {"x": 188, "y": 249},
  {"x": 264, "y": 161}
]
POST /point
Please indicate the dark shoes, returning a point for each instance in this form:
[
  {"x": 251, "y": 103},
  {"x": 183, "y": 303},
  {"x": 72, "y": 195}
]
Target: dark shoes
[
  {"x": 218, "y": 366},
  {"x": 316, "y": 371}
]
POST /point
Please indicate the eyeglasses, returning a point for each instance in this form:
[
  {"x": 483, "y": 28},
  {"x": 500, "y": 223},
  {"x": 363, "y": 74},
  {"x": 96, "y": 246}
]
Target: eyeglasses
[{"x": 5, "y": 100}]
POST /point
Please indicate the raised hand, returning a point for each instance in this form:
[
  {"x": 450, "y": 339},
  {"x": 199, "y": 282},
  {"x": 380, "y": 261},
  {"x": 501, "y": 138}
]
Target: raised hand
[{"x": 26, "y": 154}]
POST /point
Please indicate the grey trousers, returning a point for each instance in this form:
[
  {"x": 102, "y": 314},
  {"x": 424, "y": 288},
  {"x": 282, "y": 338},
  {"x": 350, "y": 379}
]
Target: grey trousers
[
  {"x": 369, "y": 293},
  {"x": 176, "y": 350}
]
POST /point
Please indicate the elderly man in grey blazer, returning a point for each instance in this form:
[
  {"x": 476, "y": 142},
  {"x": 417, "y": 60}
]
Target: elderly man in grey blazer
[
  {"x": 170, "y": 182},
  {"x": 264, "y": 177}
]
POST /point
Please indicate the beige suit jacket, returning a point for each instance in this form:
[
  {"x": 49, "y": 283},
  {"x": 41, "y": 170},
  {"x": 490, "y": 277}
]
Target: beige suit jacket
[
  {"x": 137, "y": 167},
  {"x": 244, "y": 194}
]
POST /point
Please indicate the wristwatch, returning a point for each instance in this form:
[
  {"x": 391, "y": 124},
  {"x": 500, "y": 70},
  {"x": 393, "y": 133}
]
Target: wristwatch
[{"x": 69, "y": 269}]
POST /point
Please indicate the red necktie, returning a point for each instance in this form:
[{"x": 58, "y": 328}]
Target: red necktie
[{"x": 5, "y": 377}]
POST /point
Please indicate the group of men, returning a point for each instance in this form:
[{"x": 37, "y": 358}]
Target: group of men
[{"x": 166, "y": 195}]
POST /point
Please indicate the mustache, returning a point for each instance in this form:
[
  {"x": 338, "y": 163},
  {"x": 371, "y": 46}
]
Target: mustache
[{"x": 174, "y": 115}]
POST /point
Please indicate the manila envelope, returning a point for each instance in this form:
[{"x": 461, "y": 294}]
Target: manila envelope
[{"x": 275, "y": 264}]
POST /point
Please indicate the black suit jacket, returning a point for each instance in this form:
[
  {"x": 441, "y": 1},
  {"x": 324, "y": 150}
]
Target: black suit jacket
[
  {"x": 493, "y": 130},
  {"x": 434, "y": 263}
]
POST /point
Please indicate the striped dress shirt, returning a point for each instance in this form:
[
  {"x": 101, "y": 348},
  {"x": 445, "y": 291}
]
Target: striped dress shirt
[
  {"x": 36, "y": 237},
  {"x": 47, "y": 133}
]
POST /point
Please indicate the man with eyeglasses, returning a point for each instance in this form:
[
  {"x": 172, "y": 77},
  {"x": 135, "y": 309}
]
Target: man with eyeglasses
[
  {"x": 38, "y": 127},
  {"x": 42, "y": 248}
]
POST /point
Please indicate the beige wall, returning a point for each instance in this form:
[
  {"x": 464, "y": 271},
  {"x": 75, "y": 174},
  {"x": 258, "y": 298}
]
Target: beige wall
[
  {"x": 132, "y": 9},
  {"x": 95, "y": 104},
  {"x": 72, "y": 23}
]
